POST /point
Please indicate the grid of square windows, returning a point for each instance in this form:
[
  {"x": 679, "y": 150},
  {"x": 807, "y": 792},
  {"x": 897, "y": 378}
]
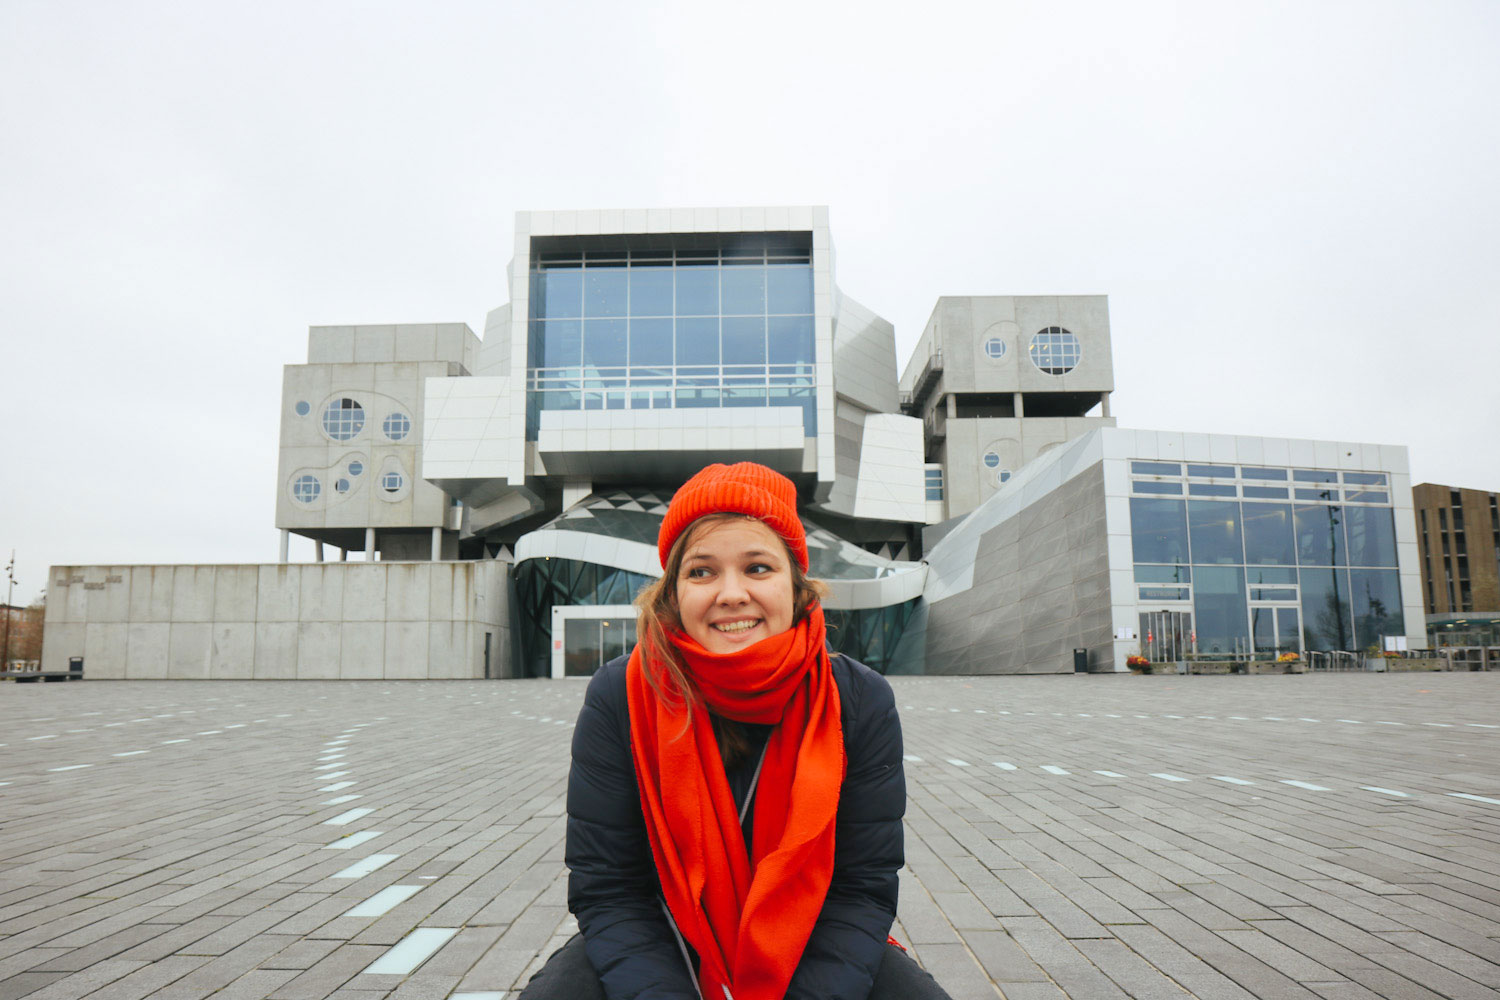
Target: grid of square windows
[
  {"x": 1315, "y": 485},
  {"x": 397, "y": 426},
  {"x": 306, "y": 488},
  {"x": 934, "y": 483},
  {"x": 1055, "y": 351}
]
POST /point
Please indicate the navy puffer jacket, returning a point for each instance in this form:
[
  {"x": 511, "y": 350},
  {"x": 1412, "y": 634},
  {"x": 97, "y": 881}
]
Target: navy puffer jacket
[{"x": 613, "y": 888}]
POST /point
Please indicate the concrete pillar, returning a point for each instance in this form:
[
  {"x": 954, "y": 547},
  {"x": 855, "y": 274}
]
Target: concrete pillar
[
  {"x": 1020, "y": 405},
  {"x": 318, "y": 551},
  {"x": 286, "y": 544},
  {"x": 1104, "y": 401},
  {"x": 952, "y": 405},
  {"x": 437, "y": 544},
  {"x": 343, "y": 554},
  {"x": 369, "y": 545}
]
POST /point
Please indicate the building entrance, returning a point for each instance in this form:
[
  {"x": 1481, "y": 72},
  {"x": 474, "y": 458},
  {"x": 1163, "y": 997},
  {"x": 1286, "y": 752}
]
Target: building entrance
[
  {"x": 586, "y": 637},
  {"x": 1166, "y": 636},
  {"x": 1276, "y": 629}
]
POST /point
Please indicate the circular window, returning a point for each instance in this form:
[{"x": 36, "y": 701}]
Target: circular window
[
  {"x": 397, "y": 426},
  {"x": 1056, "y": 351},
  {"x": 356, "y": 467},
  {"x": 343, "y": 419},
  {"x": 341, "y": 485},
  {"x": 994, "y": 348},
  {"x": 392, "y": 482},
  {"x": 306, "y": 488},
  {"x": 991, "y": 460},
  {"x": 303, "y": 408}
]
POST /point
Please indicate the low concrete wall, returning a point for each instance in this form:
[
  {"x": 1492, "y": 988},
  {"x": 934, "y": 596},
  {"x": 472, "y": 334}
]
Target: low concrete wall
[{"x": 281, "y": 621}]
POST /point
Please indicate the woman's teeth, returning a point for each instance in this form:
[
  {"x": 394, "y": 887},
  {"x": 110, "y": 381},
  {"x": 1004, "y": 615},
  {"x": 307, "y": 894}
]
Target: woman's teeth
[{"x": 736, "y": 626}]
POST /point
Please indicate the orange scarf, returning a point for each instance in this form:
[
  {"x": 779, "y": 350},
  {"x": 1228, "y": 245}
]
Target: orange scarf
[{"x": 747, "y": 918}]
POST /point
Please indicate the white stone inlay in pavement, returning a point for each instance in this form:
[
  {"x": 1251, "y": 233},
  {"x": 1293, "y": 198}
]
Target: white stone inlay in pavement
[
  {"x": 344, "y": 819},
  {"x": 411, "y": 951},
  {"x": 1440, "y": 725},
  {"x": 1474, "y": 798},
  {"x": 129, "y": 753},
  {"x": 1352, "y": 722},
  {"x": 1304, "y": 784},
  {"x": 1481, "y": 725},
  {"x": 1110, "y": 774},
  {"x": 1168, "y": 777},
  {"x": 1232, "y": 781},
  {"x": 1005, "y": 765},
  {"x": 336, "y": 786},
  {"x": 330, "y": 776},
  {"x": 49, "y": 736},
  {"x": 1273, "y": 718},
  {"x": 353, "y": 840},
  {"x": 70, "y": 767},
  {"x": 1053, "y": 769},
  {"x": 914, "y": 757},
  {"x": 1308, "y": 720},
  {"x": 169, "y": 742},
  {"x": 331, "y": 756},
  {"x": 237, "y": 725},
  {"x": 383, "y": 901},
  {"x": 211, "y": 732},
  {"x": 958, "y": 763},
  {"x": 326, "y": 767},
  {"x": 1380, "y": 722},
  {"x": 481, "y": 995},
  {"x": 365, "y": 866},
  {"x": 341, "y": 800},
  {"x": 1385, "y": 791}
]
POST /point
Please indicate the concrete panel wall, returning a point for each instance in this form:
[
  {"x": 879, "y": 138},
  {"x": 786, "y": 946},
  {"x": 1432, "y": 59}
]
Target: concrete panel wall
[
  {"x": 1040, "y": 589},
  {"x": 380, "y": 621}
]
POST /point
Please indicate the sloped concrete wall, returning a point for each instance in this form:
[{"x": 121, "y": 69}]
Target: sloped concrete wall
[{"x": 281, "y": 621}]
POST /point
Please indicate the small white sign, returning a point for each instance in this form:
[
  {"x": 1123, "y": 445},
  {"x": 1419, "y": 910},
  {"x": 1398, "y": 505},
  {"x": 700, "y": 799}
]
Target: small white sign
[
  {"x": 1395, "y": 644},
  {"x": 1125, "y": 633}
]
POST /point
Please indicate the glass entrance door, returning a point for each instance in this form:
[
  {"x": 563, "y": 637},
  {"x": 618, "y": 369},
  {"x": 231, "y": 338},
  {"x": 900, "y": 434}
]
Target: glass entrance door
[
  {"x": 1166, "y": 636},
  {"x": 1276, "y": 629},
  {"x": 585, "y": 638}
]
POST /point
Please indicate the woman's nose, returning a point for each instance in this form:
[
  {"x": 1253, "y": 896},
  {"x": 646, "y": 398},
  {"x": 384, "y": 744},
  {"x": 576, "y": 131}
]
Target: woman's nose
[{"x": 732, "y": 589}]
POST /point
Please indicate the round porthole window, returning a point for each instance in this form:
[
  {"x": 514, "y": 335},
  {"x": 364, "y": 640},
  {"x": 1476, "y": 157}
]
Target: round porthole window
[
  {"x": 343, "y": 419},
  {"x": 991, "y": 460},
  {"x": 994, "y": 348},
  {"x": 356, "y": 467},
  {"x": 397, "y": 426},
  {"x": 306, "y": 488},
  {"x": 1055, "y": 351},
  {"x": 303, "y": 408},
  {"x": 392, "y": 482},
  {"x": 341, "y": 485}
]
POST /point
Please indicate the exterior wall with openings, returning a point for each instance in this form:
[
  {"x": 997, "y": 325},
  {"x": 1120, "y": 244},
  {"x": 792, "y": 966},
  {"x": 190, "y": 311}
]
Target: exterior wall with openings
[{"x": 286, "y": 621}]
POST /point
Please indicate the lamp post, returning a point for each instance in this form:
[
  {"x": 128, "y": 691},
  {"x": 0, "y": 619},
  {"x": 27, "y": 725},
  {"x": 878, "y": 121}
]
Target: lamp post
[{"x": 10, "y": 574}]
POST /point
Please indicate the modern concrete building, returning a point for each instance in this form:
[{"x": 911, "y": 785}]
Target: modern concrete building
[
  {"x": 1459, "y": 533},
  {"x": 980, "y": 513}
]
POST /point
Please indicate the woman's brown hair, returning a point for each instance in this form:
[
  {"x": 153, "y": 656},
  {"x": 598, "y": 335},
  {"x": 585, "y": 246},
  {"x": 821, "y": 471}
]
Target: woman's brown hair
[{"x": 657, "y": 611}]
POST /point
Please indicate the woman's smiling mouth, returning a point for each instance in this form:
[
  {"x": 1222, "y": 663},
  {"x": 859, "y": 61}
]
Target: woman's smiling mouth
[{"x": 743, "y": 625}]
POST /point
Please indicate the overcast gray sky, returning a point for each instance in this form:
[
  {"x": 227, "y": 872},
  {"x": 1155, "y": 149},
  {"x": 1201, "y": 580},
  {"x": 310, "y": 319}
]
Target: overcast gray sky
[{"x": 1292, "y": 206}]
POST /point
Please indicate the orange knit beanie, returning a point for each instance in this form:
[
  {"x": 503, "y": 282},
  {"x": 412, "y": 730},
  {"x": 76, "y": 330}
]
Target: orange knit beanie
[{"x": 743, "y": 488}]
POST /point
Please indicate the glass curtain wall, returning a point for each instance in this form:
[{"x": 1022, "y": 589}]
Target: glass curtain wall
[
  {"x": 1316, "y": 570},
  {"x": 725, "y": 322}
]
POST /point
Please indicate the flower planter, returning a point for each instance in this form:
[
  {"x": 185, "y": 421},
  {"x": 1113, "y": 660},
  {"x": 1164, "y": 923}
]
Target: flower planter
[
  {"x": 1278, "y": 667},
  {"x": 1208, "y": 666},
  {"x": 1415, "y": 663}
]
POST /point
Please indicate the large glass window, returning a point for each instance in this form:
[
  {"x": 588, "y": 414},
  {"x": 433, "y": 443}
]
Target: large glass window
[
  {"x": 1320, "y": 535},
  {"x": 1158, "y": 530},
  {"x": 723, "y": 321},
  {"x": 1326, "y": 619},
  {"x": 1376, "y": 596},
  {"x": 1372, "y": 536},
  {"x": 1219, "y": 609},
  {"x": 1215, "y": 530},
  {"x": 1268, "y": 534}
]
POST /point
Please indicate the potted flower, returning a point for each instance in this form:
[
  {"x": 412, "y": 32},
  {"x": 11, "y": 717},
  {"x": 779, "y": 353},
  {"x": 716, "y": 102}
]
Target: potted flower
[{"x": 1139, "y": 663}]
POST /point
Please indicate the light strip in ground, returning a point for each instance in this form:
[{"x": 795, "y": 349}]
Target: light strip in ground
[
  {"x": 364, "y": 866},
  {"x": 384, "y": 901},
  {"x": 344, "y": 819},
  {"x": 353, "y": 840},
  {"x": 411, "y": 951}
]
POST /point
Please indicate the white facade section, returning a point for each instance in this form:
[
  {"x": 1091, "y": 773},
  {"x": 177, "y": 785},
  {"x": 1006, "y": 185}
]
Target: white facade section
[
  {"x": 891, "y": 485},
  {"x": 669, "y": 443},
  {"x": 472, "y": 431}
]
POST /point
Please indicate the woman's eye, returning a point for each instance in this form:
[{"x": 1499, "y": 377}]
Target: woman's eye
[
  {"x": 759, "y": 568},
  {"x": 697, "y": 572}
]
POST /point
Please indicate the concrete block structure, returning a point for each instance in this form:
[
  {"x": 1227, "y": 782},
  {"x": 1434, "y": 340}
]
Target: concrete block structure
[{"x": 978, "y": 513}]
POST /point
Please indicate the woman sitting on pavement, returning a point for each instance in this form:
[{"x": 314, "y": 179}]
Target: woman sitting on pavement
[{"x": 736, "y": 794}]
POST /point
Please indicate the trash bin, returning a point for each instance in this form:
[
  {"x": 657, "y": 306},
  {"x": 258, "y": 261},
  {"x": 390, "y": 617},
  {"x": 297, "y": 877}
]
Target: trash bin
[
  {"x": 75, "y": 668},
  {"x": 1080, "y": 661}
]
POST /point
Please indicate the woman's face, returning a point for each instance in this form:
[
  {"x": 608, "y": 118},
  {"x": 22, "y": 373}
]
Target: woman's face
[{"x": 735, "y": 585}]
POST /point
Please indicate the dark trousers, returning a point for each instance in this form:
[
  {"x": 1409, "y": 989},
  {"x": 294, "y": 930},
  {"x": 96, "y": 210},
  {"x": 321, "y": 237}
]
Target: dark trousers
[{"x": 569, "y": 976}]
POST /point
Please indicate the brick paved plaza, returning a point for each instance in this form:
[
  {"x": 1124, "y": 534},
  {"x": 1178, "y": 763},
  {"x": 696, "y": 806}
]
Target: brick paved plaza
[{"x": 1090, "y": 837}]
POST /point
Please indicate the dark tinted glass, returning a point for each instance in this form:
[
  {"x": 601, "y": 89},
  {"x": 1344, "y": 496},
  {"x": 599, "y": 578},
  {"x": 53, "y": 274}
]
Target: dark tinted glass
[
  {"x": 1163, "y": 574},
  {"x": 1212, "y": 489},
  {"x": 1372, "y": 536},
  {"x": 1326, "y": 622},
  {"x": 604, "y": 342},
  {"x": 1219, "y": 609},
  {"x": 562, "y": 344},
  {"x": 604, "y": 291},
  {"x": 562, "y": 294},
  {"x": 1270, "y": 574},
  {"x": 1269, "y": 492},
  {"x": 1365, "y": 478},
  {"x": 1215, "y": 528},
  {"x": 1216, "y": 471},
  {"x": 1256, "y": 472},
  {"x": 1158, "y": 530},
  {"x": 1376, "y": 595},
  {"x": 1152, "y": 486},
  {"x": 1156, "y": 468},
  {"x": 651, "y": 342},
  {"x": 1320, "y": 535},
  {"x": 698, "y": 290},
  {"x": 1268, "y": 534},
  {"x": 1315, "y": 476}
]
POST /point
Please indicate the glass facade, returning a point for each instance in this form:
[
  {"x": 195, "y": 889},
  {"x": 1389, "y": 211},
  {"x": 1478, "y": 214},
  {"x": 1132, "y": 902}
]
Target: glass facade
[
  {"x": 725, "y": 322},
  {"x": 1317, "y": 571}
]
